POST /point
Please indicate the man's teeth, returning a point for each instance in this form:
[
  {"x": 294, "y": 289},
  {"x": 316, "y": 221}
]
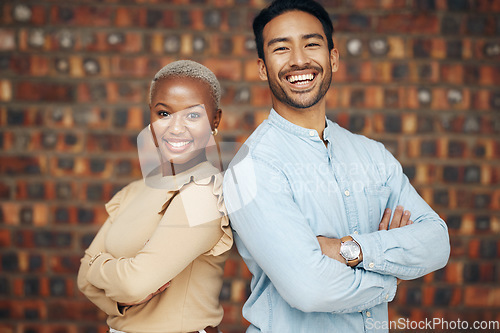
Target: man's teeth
[
  {"x": 303, "y": 77},
  {"x": 178, "y": 144}
]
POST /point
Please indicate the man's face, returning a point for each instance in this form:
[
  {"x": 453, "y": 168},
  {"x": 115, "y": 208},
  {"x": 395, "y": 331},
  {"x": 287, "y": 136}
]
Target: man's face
[{"x": 298, "y": 65}]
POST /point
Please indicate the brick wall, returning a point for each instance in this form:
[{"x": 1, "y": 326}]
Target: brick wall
[{"x": 422, "y": 76}]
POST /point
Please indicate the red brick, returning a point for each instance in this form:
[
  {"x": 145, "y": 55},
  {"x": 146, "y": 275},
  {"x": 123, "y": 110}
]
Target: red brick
[
  {"x": 5, "y": 238},
  {"x": 261, "y": 96},
  {"x": 91, "y": 16},
  {"x": 479, "y": 296},
  {"x": 65, "y": 264},
  {"x": 7, "y": 40},
  {"x": 225, "y": 69},
  {"x": 31, "y": 91},
  {"x": 402, "y": 23},
  {"x": 131, "y": 17},
  {"x": 452, "y": 73},
  {"x": 5, "y": 91},
  {"x": 488, "y": 6},
  {"x": 489, "y": 75},
  {"x": 197, "y": 19}
]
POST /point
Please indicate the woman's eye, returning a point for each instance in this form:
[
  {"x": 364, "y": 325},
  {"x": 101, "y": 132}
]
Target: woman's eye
[
  {"x": 163, "y": 114},
  {"x": 193, "y": 115}
]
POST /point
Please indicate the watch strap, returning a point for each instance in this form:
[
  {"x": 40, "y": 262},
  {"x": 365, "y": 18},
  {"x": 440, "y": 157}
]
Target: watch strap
[{"x": 353, "y": 262}]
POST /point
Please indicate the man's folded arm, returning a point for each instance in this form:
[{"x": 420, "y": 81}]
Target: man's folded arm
[
  {"x": 282, "y": 243},
  {"x": 412, "y": 251}
]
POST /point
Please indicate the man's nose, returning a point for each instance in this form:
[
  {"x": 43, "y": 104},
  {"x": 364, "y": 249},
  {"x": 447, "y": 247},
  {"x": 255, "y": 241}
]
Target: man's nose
[{"x": 298, "y": 57}]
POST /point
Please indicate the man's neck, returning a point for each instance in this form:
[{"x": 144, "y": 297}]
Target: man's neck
[{"x": 313, "y": 117}]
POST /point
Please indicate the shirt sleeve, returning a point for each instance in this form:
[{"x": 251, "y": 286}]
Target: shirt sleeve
[
  {"x": 278, "y": 237},
  {"x": 412, "y": 251},
  {"x": 94, "y": 294},
  {"x": 177, "y": 241}
]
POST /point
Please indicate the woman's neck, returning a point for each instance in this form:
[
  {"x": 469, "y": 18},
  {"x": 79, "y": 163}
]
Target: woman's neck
[{"x": 172, "y": 169}]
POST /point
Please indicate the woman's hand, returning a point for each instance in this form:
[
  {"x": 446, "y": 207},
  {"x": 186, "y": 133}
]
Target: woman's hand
[{"x": 160, "y": 290}]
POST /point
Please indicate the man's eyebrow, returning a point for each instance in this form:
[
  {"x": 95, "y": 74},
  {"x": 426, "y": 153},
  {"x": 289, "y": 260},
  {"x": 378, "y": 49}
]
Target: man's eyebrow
[
  {"x": 314, "y": 35},
  {"x": 286, "y": 39},
  {"x": 277, "y": 40}
]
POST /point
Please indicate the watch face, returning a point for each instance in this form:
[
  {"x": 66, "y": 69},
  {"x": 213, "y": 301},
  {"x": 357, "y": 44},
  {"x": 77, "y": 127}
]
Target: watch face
[{"x": 350, "y": 250}]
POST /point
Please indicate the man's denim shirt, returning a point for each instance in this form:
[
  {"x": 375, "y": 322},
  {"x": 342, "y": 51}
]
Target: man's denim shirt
[{"x": 284, "y": 188}]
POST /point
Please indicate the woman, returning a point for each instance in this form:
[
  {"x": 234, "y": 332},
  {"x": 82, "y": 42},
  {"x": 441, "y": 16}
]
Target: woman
[{"x": 156, "y": 264}]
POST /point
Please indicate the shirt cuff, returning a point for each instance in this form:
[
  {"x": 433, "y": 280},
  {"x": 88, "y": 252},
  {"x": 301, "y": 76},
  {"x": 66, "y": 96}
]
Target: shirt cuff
[
  {"x": 373, "y": 256},
  {"x": 390, "y": 288}
]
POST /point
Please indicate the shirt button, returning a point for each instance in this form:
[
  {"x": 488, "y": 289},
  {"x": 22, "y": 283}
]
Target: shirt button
[
  {"x": 312, "y": 133},
  {"x": 387, "y": 296},
  {"x": 371, "y": 265},
  {"x": 368, "y": 314},
  {"x": 347, "y": 193},
  {"x": 355, "y": 232}
]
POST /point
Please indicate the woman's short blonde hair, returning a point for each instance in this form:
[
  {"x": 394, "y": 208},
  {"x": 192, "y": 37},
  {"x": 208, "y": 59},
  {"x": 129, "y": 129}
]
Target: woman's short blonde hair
[{"x": 192, "y": 69}]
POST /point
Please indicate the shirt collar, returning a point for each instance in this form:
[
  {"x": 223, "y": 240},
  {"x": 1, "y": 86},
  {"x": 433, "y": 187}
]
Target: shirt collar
[{"x": 305, "y": 133}]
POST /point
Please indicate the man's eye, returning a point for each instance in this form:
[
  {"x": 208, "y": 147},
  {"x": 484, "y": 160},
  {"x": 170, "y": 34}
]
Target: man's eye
[
  {"x": 313, "y": 44},
  {"x": 280, "y": 49}
]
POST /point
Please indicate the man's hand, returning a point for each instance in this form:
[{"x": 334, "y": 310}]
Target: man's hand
[
  {"x": 331, "y": 246},
  {"x": 400, "y": 219}
]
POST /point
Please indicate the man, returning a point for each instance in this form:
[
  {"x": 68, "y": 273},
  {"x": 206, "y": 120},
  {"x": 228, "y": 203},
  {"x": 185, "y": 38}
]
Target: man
[{"x": 310, "y": 202}]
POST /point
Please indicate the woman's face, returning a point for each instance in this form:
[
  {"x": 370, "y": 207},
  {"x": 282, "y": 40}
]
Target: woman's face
[{"x": 182, "y": 118}]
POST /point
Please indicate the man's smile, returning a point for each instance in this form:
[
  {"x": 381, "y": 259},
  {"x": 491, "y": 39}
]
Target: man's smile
[{"x": 301, "y": 79}]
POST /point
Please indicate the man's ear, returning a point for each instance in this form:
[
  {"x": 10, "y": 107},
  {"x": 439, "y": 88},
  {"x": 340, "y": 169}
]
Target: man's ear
[
  {"x": 262, "y": 69},
  {"x": 334, "y": 59}
]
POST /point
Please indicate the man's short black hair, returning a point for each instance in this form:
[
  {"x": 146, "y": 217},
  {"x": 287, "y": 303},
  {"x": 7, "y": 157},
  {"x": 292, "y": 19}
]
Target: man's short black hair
[{"x": 278, "y": 7}]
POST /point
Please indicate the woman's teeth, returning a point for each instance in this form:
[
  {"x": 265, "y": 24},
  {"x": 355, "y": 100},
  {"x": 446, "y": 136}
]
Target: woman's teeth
[{"x": 178, "y": 144}]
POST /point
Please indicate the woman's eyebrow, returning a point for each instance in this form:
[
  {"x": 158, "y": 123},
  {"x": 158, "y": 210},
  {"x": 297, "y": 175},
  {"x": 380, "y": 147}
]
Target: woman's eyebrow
[{"x": 189, "y": 107}]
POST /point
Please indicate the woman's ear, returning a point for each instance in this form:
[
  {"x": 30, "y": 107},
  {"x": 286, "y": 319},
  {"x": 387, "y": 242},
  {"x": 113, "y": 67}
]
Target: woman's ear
[
  {"x": 151, "y": 128},
  {"x": 217, "y": 118}
]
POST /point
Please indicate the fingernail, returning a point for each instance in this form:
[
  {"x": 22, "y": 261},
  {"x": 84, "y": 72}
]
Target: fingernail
[
  {"x": 407, "y": 212},
  {"x": 387, "y": 211},
  {"x": 399, "y": 207}
]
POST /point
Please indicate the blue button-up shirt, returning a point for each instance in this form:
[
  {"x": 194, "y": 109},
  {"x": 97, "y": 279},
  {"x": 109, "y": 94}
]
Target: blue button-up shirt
[{"x": 284, "y": 188}]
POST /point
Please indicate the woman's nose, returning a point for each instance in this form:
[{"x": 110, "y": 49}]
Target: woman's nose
[{"x": 177, "y": 125}]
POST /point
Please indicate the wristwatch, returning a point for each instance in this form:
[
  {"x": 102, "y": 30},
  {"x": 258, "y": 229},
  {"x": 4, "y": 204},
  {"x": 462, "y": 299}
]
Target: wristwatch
[{"x": 350, "y": 250}]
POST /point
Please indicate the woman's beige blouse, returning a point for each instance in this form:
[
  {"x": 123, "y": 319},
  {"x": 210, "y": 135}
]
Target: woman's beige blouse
[{"x": 177, "y": 232}]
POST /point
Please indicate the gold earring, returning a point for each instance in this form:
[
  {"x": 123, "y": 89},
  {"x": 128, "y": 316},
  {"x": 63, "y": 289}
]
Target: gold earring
[{"x": 215, "y": 131}]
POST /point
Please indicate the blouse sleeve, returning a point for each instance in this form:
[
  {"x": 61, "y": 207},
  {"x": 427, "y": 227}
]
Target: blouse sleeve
[
  {"x": 226, "y": 241},
  {"x": 190, "y": 227},
  {"x": 94, "y": 294}
]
